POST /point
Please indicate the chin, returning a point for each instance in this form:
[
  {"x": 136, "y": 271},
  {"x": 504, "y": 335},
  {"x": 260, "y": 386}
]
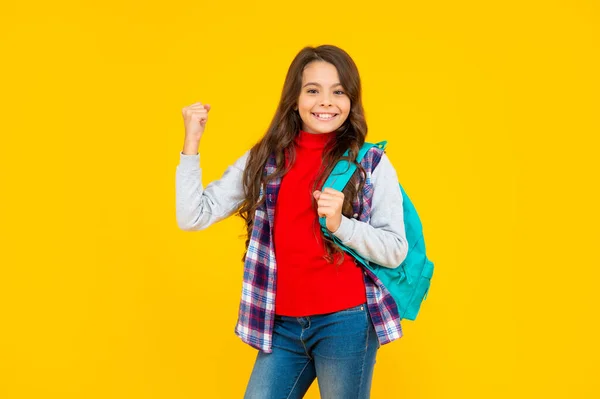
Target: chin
[{"x": 321, "y": 130}]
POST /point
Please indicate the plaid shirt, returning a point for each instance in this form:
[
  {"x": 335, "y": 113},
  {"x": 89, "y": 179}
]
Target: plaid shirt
[{"x": 257, "y": 305}]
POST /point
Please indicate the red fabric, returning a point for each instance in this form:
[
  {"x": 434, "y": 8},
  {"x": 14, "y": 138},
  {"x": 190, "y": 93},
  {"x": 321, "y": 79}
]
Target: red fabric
[{"x": 306, "y": 283}]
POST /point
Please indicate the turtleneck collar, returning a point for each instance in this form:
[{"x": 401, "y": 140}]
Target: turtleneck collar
[{"x": 313, "y": 140}]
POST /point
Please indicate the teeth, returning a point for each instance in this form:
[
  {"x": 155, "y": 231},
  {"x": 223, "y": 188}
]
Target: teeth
[{"x": 325, "y": 116}]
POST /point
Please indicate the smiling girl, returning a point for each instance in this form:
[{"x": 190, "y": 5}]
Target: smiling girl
[{"x": 309, "y": 308}]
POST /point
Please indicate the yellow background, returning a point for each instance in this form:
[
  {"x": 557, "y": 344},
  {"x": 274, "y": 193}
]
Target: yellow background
[{"x": 491, "y": 112}]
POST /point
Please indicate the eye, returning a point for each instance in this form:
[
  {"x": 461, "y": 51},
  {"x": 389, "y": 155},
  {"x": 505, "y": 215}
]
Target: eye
[
  {"x": 311, "y": 91},
  {"x": 339, "y": 92}
]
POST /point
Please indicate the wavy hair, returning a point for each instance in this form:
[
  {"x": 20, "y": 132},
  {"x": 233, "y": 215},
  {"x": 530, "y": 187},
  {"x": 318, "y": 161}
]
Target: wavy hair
[{"x": 285, "y": 126}]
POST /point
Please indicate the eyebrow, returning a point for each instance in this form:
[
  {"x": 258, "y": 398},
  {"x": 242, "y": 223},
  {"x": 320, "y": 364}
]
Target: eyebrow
[{"x": 316, "y": 84}]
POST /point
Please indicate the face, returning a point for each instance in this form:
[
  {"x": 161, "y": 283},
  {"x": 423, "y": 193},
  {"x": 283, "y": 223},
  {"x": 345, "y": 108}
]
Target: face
[{"x": 323, "y": 104}]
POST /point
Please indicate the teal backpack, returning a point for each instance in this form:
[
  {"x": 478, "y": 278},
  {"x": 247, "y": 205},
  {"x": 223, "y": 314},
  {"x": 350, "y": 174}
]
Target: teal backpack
[{"x": 409, "y": 282}]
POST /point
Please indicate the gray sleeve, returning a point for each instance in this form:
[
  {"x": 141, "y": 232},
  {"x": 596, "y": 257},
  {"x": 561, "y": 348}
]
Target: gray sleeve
[
  {"x": 198, "y": 207},
  {"x": 383, "y": 240}
]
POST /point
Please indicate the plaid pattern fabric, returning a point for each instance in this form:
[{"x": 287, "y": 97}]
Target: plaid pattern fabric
[{"x": 257, "y": 305}]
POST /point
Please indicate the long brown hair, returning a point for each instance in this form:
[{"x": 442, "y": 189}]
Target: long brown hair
[{"x": 285, "y": 126}]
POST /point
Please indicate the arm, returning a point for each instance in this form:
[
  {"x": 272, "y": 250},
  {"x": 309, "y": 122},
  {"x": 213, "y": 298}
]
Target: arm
[
  {"x": 383, "y": 240},
  {"x": 198, "y": 207}
]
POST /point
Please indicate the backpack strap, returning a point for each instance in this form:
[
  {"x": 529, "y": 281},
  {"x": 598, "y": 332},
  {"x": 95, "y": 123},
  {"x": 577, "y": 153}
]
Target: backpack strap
[{"x": 343, "y": 171}]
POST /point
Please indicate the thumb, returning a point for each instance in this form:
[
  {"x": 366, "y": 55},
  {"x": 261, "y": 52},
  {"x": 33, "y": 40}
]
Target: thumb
[
  {"x": 207, "y": 107},
  {"x": 317, "y": 194}
]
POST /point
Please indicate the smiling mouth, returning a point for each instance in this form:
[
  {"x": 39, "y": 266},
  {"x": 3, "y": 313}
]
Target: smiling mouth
[{"x": 324, "y": 116}]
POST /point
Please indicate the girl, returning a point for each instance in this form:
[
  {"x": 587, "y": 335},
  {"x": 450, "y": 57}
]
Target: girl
[{"x": 312, "y": 311}]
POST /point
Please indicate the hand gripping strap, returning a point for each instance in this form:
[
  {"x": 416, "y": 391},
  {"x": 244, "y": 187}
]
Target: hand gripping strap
[{"x": 343, "y": 171}]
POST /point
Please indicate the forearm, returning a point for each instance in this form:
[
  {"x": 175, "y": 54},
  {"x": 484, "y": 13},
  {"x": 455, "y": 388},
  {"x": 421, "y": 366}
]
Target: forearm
[
  {"x": 382, "y": 239},
  {"x": 387, "y": 248},
  {"x": 197, "y": 207}
]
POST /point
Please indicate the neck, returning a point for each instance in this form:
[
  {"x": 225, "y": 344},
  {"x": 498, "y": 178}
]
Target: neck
[{"x": 313, "y": 140}]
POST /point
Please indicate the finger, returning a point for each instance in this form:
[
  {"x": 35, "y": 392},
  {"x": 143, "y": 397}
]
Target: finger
[
  {"x": 329, "y": 202},
  {"x": 333, "y": 194},
  {"x": 329, "y": 197},
  {"x": 192, "y": 110},
  {"x": 197, "y": 106},
  {"x": 330, "y": 190},
  {"x": 317, "y": 194},
  {"x": 201, "y": 107},
  {"x": 329, "y": 210}
]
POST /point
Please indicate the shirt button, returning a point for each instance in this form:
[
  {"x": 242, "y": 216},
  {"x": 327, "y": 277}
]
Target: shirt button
[{"x": 355, "y": 215}]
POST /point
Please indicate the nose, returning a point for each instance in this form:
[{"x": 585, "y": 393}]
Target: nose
[{"x": 325, "y": 100}]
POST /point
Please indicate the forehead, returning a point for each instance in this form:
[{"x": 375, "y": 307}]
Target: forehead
[{"x": 320, "y": 72}]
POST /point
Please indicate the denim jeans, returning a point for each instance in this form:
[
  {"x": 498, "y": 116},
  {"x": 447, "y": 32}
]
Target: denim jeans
[{"x": 338, "y": 349}]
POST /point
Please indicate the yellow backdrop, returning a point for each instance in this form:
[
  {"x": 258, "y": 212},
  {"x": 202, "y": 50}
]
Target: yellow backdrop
[{"x": 491, "y": 115}]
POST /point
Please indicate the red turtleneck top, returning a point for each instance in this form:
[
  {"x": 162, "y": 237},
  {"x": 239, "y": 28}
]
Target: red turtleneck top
[{"x": 306, "y": 283}]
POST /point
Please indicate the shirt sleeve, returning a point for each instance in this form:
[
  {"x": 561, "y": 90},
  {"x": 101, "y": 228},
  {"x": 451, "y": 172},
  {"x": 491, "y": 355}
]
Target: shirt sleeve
[
  {"x": 383, "y": 239},
  {"x": 197, "y": 207}
]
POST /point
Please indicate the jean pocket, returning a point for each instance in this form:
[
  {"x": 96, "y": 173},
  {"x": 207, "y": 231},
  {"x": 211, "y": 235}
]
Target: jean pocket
[{"x": 344, "y": 334}]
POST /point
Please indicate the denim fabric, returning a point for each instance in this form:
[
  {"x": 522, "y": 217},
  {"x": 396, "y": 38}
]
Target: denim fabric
[{"x": 338, "y": 349}]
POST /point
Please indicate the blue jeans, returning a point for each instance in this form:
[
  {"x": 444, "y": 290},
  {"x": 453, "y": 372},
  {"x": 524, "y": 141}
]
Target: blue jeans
[{"x": 338, "y": 349}]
